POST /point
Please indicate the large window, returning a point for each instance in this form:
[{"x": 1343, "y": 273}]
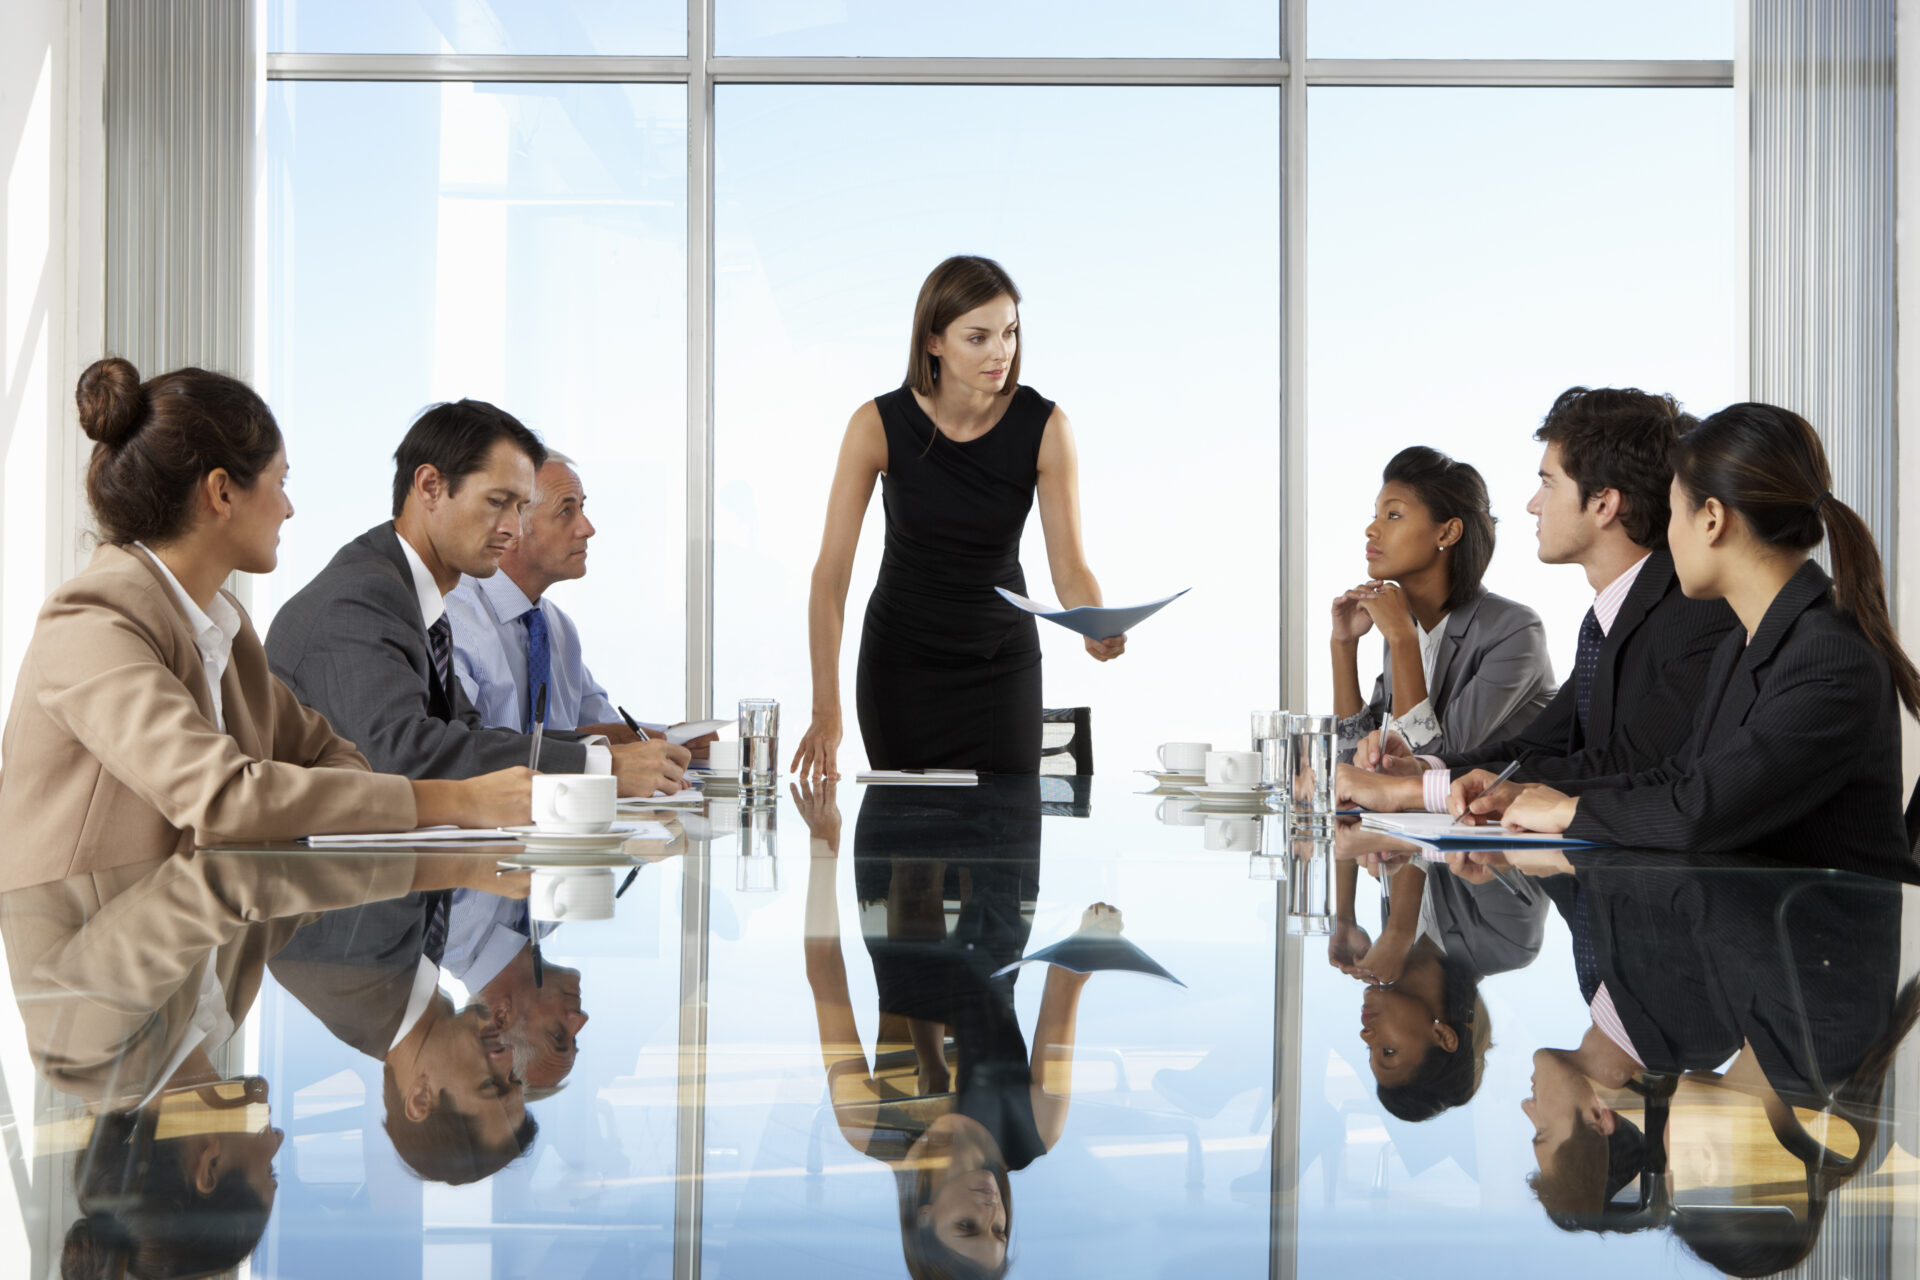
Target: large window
[{"x": 1151, "y": 316}]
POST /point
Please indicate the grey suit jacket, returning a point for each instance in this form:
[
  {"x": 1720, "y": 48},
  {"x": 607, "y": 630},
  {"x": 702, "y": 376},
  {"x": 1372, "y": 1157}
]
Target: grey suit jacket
[
  {"x": 353, "y": 645},
  {"x": 1491, "y": 678}
]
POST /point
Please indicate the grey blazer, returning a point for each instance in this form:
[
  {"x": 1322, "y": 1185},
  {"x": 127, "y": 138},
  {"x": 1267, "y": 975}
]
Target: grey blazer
[
  {"x": 1492, "y": 676},
  {"x": 352, "y": 645}
]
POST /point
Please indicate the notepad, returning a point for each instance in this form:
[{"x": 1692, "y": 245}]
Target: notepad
[
  {"x": 1440, "y": 828},
  {"x": 921, "y": 777},
  {"x": 1093, "y": 621}
]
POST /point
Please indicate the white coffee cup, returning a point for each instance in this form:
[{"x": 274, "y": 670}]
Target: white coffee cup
[
  {"x": 1180, "y": 811},
  {"x": 571, "y": 893},
  {"x": 571, "y": 803},
  {"x": 724, "y": 757},
  {"x": 1233, "y": 835},
  {"x": 1233, "y": 768},
  {"x": 1184, "y": 757}
]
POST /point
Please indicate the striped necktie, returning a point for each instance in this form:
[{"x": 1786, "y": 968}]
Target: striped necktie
[{"x": 440, "y": 645}]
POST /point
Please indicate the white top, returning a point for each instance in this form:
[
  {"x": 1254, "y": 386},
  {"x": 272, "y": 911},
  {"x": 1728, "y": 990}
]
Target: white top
[
  {"x": 426, "y": 980},
  {"x": 1607, "y": 601},
  {"x": 432, "y": 603},
  {"x": 213, "y": 635},
  {"x": 482, "y": 937}
]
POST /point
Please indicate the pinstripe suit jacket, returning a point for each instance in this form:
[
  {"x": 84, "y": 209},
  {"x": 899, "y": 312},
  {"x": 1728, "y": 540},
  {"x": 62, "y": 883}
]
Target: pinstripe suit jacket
[{"x": 1796, "y": 748}]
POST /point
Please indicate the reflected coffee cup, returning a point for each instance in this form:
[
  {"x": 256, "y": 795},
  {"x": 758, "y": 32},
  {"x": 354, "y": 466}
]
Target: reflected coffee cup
[
  {"x": 1180, "y": 811},
  {"x": 1233, "y": 835},
  {"x": 571, "y": 893},
  {"x": 575, "y": 803},
  {"x": 1184, "y": 757}
]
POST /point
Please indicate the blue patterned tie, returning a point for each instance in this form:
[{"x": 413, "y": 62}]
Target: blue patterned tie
[
  {"x": 538, "y": 665},
  {"x": 1586, "y": 665}
]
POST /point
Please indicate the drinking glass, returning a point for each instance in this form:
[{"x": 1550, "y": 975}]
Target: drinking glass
[
  {"x": 1310, "y": 885},
  {"x": 759, "y": 746},
  {"x": 1270, "y": 740},
  {"x": 1312, "y": 770},
  {"x": 758, "y": 870}
]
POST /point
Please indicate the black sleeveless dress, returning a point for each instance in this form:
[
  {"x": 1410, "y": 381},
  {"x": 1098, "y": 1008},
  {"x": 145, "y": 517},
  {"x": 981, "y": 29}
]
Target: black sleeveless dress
[{"x": 949, "y": 673}]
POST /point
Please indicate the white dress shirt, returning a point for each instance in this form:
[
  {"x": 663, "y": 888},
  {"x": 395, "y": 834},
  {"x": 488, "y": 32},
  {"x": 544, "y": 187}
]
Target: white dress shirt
[
  {"x": 433, "y": 604},
  {"x": 482, "y": 939},
  {"x": 426, "y": 980},
  {"x": 213, "y": 633}
]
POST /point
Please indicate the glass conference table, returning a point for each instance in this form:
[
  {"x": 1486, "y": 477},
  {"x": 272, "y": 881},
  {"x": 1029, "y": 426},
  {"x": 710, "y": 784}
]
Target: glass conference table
[{"x": 806, "y": 1054}]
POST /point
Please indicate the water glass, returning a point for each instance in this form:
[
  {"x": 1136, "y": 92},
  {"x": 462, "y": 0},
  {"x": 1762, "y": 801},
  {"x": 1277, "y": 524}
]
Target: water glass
[
  {"x": 1312, "y": 770},
  {"x": 758, "y": 869},
  {"x": 1270, "y": 740},
  {"x": 1309, "y": 879},
  {"x": 759, "y": 746}
]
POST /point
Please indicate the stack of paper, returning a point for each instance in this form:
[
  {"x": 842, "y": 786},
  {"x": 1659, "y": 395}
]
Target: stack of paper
[
  {"x": 420, "y": 835},
  {"x": 1440, "y": 828},
  {"x": 690, "y": 799}
]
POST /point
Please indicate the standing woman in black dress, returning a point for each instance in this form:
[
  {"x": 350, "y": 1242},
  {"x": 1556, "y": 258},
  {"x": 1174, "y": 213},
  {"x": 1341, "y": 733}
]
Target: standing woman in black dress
[{"x": 949, "y": 672}]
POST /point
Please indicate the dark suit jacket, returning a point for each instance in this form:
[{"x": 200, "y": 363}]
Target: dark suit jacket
[
  {"x": 354, "y": 969},
  {"x": 1796, "y": 747},
  {"x": 1653, "y": 671},
  {"x": 353, "y": 645}
]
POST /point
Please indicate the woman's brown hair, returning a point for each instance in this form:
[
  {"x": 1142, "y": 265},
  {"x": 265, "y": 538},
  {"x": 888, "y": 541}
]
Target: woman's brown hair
[
  {"x": 155, "y": 441},
  {"x": 1767, "y": 463},
  {"x": 952, "y": 289}
]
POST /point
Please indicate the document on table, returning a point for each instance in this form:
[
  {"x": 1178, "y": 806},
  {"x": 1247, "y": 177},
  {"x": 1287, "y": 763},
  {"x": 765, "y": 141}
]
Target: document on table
[
  {"x": 1092, "y": 621},
  {"x": 1440, "y": 828},
  {"x": 681, "y": 734},
  {"x": 921, "y": 777},
  {"x": 421, "y": 835},
  {"x": 691, "y": 798}
]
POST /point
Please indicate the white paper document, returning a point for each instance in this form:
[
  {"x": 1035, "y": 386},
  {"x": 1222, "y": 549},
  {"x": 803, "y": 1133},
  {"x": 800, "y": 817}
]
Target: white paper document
[
  {"x": 422, "y": 835},
  {"x": 1092, "y": 621},
  {"x": 681, "y": 734},
  {"x": 1440, "y": 828},
  {"x": 921, "y": 777},
  {"x": 662, "y": 800}
]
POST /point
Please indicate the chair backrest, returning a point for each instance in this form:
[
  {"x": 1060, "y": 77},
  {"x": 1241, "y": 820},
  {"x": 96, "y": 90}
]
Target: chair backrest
[{"x": 1066, "y": 740}]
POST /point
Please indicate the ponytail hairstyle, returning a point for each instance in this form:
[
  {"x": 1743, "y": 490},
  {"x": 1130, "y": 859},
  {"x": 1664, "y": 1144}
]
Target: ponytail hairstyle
[
  {"x": 1450, "y": 490},
  {"x": 1767, "y": 464},
  {"x": 155, "y": 441},
  {"x": 145, "y": 1218}
]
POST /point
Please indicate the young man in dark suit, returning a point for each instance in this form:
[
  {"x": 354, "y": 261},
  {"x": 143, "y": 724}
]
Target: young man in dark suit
[
  {"x": 1645, "y": 648},
  {"x": 368, "y": 643}
]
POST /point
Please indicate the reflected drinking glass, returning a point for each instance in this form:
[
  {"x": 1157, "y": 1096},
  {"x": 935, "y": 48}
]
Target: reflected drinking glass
[
  {"x": 759, "y": 746},
  {"x": 1309, "y": 878},
  {"x": 758, "y": 869},
  {"x": 1312, "y": 770},
  {"x": 1270, "y": 740}
]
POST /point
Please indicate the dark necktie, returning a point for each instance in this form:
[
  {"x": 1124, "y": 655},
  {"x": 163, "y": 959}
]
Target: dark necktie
[
  {"x": 1586, "y": 665},
  {"x": 434, "y": 947},
  {"x": 539, "y": 665},
  {"x": 440, "y": 645},
  {"x": 1586, "y": 963}
]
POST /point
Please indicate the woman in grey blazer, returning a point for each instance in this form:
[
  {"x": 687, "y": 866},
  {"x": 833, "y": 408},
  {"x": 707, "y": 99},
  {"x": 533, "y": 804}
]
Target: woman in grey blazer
[{"x": 1462, "y": 666}]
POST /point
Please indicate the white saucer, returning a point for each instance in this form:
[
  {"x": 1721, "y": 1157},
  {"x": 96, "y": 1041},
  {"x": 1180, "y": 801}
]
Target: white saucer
[
  {"x": 536, "y": 859},
  {"x": 1225, "y": 791},
  {"x": 1176, "y": 777},
  {"x": 542, "y": 838}
]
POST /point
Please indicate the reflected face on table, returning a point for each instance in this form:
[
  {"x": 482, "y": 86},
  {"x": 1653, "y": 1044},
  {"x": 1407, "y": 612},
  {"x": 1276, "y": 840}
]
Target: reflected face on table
[
  {"x": 474, "y": 521},
  {"x": 1570, "y": 1128},
  {"x": 469, "y": 1060},
  {"x": 1399, "y": 1031},
  {"x": 544, "y": 1036},
  {"x": 555, "y": 530},
  {"x": 1561, "y": 523},
  {"x": 1403, "y": 537},
  {"x": 967, "y": 1211},
  {"x": 251, "y": 1154},
  {"x": 976, "y": 351}
]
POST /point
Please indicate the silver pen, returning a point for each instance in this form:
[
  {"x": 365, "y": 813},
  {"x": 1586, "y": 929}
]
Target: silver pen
[{"x": 539, "y": 729}]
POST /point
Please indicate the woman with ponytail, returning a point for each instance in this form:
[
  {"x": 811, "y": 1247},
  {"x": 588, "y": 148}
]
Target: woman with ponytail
[
  {"x": 1796, "y": 744},
  {"x": 145, "y": 721}
]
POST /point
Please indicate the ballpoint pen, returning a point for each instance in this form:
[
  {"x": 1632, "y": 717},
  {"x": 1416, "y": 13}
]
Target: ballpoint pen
[
  {"x": 1500, "y": 873},
  {"x": 539, "y": 730},
  {"x": 633, "y": 724}
]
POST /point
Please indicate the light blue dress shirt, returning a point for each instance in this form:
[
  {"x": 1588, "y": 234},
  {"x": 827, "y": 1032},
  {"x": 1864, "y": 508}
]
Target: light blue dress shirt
[{"x": 490, "y": 658}]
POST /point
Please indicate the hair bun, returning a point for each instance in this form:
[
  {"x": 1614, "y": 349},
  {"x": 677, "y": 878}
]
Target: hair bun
[{"x": 112, "y": 406}]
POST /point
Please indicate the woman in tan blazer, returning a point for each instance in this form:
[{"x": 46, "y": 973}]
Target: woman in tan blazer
[{"x": 145, "y": 721}]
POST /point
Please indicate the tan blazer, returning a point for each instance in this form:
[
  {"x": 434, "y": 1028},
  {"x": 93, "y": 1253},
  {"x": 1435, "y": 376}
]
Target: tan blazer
[
  {"x": 107, "y": 967},
  {"x": 111, "y": 755}
]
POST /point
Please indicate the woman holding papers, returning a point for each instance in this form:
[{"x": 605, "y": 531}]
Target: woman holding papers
[
  {"x": 949, "y": 671},
  {"x": 1463, "y": 666},
  {"x": 144, "y": 719},
  {"x": 1797, "y": 740}
]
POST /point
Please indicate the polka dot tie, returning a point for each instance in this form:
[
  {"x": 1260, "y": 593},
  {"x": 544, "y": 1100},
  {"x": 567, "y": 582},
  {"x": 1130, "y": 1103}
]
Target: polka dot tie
[{"x": 1586, "y": 664}]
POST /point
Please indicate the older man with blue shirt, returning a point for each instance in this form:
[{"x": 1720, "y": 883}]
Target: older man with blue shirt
[{"x": 508, "y": 638}]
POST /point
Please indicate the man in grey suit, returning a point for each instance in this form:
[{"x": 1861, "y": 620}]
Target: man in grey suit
[{"x": 368, "y": 643}]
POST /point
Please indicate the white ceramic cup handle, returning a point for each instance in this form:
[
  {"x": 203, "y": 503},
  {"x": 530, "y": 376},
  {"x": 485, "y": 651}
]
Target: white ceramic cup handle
[{"x": 1162, "y": 753}]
